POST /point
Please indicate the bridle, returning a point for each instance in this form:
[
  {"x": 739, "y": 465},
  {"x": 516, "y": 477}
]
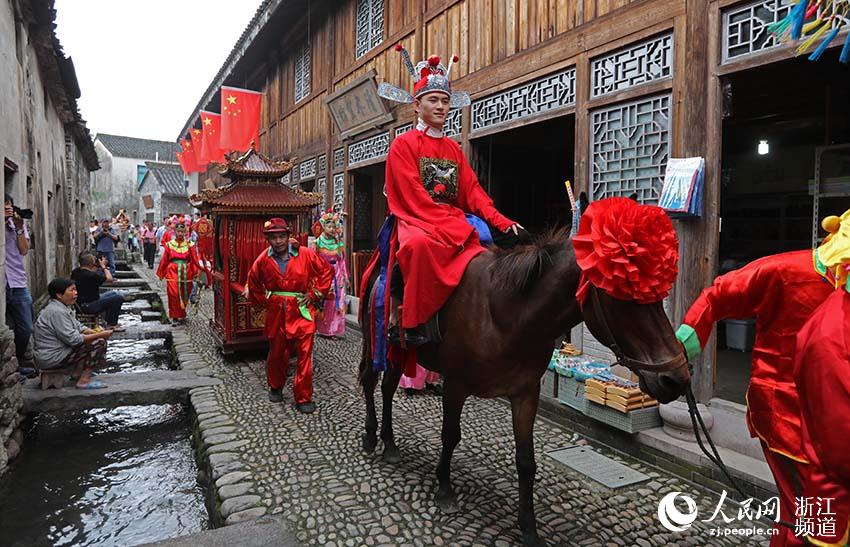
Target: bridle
[
  {"x": 680, "y": 360},
  {"x": 675, "y": 363}
]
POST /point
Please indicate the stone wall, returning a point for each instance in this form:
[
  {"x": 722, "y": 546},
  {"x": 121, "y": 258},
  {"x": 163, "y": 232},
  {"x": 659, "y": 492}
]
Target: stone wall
[{"x": 11, "y": 401}]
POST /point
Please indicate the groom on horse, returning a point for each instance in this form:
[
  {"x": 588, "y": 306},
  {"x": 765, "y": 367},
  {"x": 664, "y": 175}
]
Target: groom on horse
[{"x": 429, "y": 187}]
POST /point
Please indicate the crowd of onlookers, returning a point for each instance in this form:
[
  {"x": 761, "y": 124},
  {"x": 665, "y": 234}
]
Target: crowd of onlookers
[{"x": 57, "y": 341}]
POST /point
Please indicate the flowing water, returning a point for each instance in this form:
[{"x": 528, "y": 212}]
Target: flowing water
[{"x": 120, "y": 476}]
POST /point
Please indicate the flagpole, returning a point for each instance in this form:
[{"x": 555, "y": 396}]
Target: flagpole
[{"x": 242, "y": 89}]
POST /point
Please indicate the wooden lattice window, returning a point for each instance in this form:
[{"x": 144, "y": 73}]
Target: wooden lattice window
[
  {"x": 302, "y": 73},
  {"x": 370, "y": 26}
]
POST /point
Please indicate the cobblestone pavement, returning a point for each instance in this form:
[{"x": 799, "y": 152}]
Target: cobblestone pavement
[{"x": 311, "y": 471}]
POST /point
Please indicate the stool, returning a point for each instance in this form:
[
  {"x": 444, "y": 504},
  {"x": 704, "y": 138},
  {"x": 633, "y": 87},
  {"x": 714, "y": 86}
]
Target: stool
[
  {"x": 91, "y": 320},
  {"x": 55, "y": 378}
]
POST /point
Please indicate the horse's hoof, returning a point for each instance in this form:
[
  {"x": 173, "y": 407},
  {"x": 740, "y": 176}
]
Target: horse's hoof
[
  {"x": 369, "y": 443},
  {"x": 447, "y": 503},
  {"x": 533, "y": 540},
  {"x": 391, "y": 454}
]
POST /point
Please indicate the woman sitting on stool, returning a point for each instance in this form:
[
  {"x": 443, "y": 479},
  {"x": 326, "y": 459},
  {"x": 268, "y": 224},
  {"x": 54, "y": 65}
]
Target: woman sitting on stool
[{"x": 62, "y": 342}]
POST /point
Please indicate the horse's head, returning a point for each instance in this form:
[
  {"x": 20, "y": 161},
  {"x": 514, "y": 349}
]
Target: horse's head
[
  {"x": 642, "y": 339},
  {"x": 628, "y": 255}
]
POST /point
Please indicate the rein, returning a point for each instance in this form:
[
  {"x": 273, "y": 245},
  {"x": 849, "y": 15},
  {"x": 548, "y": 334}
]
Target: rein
[{"x": 696, "y": 419}]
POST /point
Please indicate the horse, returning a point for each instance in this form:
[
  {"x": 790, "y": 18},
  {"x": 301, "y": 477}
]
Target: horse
[{"x": 499, "y": 329}]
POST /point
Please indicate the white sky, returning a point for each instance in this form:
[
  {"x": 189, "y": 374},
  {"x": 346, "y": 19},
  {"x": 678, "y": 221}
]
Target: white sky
[{"x": 144, "y": 64}]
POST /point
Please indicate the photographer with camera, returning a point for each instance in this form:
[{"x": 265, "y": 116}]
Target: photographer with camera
[
  {"x": 106, "y": 237},
  {"x": 19, "y": 314}
]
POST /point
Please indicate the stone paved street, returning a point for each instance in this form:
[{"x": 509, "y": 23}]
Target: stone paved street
[{"x": 310, "y": 470}]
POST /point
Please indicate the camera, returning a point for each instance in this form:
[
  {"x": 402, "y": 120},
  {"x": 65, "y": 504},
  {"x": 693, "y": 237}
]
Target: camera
[{"x": 25, "y": 214}]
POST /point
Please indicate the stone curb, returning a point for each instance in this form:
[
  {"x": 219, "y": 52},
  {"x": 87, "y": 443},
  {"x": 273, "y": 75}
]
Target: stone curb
[{"x": 232, "y": 497}]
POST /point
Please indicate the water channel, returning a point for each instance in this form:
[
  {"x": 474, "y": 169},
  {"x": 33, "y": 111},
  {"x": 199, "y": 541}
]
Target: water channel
[{"x": 122, "y": 476}]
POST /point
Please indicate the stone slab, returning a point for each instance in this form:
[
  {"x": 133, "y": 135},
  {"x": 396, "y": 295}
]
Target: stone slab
[
  {"x": 245, "y": 516},
  {"x": 233, "y": 478},
  {"x": 144, "y": 331},
  {"x": 259, "y": 533},
  {"x": 125, "y": 284},
  {"x": 234, "y": 490},
  {"x": 239, "y": 503},
  {"x": 598, "y": 467},
  {"x": 150, "y": 388}
]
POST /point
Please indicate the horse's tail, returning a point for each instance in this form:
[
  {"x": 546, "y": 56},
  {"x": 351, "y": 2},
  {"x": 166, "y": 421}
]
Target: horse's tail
[{"x": 366, "y": 327}]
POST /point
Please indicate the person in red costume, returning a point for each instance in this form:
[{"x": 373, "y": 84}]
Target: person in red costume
[
  {"x": 430, "y": 186},
  {"x": 289, "y": 282},
  {"x": 822, "y": 375},
  {"x": 179, "y": 266},
  {"x": 781, "y": 291}
]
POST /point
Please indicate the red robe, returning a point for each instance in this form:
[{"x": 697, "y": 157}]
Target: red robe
[
  {"x": 781, "y": 291},
  {"x": 305, "y": 272},
  {"x": 430, "y": 186},
  {"x": 822, "y": 374},
  {"x": 178, "y": 266}
]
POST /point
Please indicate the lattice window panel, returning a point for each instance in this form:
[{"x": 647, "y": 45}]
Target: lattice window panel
[
  {"x": 321, "y": 188},
  {"x": 403, "y": 129},
  {"x": 541, "y": 95},
  {"x": 323, "y": 164},
  {"x": 307, "y": 169},
  {"x": 339, "y": 190},
  {"x": 302, "y": 73},
  {"x": 295, "y": 173},
  {"x": 453, "y": 121},
  {"x": 629, "y": 146},
  {"x": 634, "y": 65},
  {"x": 369, "y": 26},
  {"x": 745, "y": 27},
  {"x": 368, "y": 149},
  {"x": 287, "y": 178},
  {"x": 339, "y": 158}
]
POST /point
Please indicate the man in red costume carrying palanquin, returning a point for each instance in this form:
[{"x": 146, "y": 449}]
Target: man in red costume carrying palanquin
[
  {"x": 822, "y": 374},
  {"x": 430, "y": 186},
  {"x": 179, "y": 266},
  {"x": 781, "y": 291},
  {"x": 290, "y": 282}
]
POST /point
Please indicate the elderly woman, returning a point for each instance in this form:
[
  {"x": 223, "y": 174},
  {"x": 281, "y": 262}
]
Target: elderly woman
[
  {"x": 62, "y": 342},
  {"x": 331, "y": 248},
  {"x": 179, "y": 266}
]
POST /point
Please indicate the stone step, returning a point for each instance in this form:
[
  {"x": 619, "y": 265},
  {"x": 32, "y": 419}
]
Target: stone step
[
  {"x": 124, "y": 284},
  {"x": 151, "y": 316},
  {"x": 144, "y": 331},
  {"x": 150, "y": 388},
  {"x": 125, "y": 275},
  {"x": 131, "y": 296}
]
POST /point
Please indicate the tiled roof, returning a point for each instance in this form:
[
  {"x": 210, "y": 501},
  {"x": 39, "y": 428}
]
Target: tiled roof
[
  {"x": 259, "y": 197},
  {"x": 254, "y": 163},
  {"x": 169, "y": 177},
  {"x": 143, "y": 149}
]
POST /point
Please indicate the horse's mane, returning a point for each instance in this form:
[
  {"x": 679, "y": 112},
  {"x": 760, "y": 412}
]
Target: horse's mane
[{"x": 518, "y": 269}]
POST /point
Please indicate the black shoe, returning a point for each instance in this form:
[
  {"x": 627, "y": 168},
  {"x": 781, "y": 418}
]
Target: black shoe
[
  {"x": 412, "y": 337},
  {"x": 305, "y": 408},
  {"x": 27, "y": 372},
  {"x": 276, "y": 395},
  {"x": 436, "y": 389},
  {"x": 410, "y": 391}
]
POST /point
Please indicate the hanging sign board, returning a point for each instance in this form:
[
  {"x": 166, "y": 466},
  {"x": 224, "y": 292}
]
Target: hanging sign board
[{"x": 357, "y": 108}]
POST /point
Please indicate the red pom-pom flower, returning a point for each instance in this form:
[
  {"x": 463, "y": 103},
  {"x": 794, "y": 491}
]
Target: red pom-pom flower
[
  {"x": 455, "y": 58},
  {"x": 399, "y": 47},
  {"x": 628, "y": 250},
  {"x": 434, "y": 60}
]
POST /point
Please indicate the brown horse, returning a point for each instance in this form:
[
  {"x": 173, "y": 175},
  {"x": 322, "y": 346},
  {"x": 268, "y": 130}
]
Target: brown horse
[{"x": 499, "y": 329}]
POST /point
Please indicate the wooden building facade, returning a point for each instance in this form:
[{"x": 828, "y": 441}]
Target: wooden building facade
[{"x": 601, "y": 92}]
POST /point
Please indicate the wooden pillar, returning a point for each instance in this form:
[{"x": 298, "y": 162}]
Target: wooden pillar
[
  {"x": 581, "y": 141},
  {"x": 699, "y": 238}
]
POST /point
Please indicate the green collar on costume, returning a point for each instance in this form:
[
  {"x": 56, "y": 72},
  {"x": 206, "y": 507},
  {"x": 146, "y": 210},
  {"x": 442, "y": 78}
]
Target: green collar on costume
[
  {"x": 293, "y": 252},
  {"x": 328, "y": 243}
]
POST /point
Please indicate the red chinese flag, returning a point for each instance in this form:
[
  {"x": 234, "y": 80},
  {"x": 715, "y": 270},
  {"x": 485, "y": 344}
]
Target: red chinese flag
[
  {"x": 180, "y": 159},
  {"x": 211, "y": 128},
  {"x": 240, "y": 118},
  {"x": 197, "y": 137},
  {"x": 190, "y": 164}
]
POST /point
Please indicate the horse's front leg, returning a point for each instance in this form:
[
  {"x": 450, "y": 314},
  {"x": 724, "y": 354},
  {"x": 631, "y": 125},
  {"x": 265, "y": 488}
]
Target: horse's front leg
[
  {"x": 524, "y": 411},
  {"x": 369, "y": 379},
  {"x": 388, "y": 389},
  {"x": 453, "y": 400}
]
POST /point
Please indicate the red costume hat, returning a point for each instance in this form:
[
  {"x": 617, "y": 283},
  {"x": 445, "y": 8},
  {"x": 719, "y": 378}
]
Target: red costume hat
[
  {"x": 276, "y": 225},
  {"x": 430, "y": 76},
  {"x": 628, "y": 250}
]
